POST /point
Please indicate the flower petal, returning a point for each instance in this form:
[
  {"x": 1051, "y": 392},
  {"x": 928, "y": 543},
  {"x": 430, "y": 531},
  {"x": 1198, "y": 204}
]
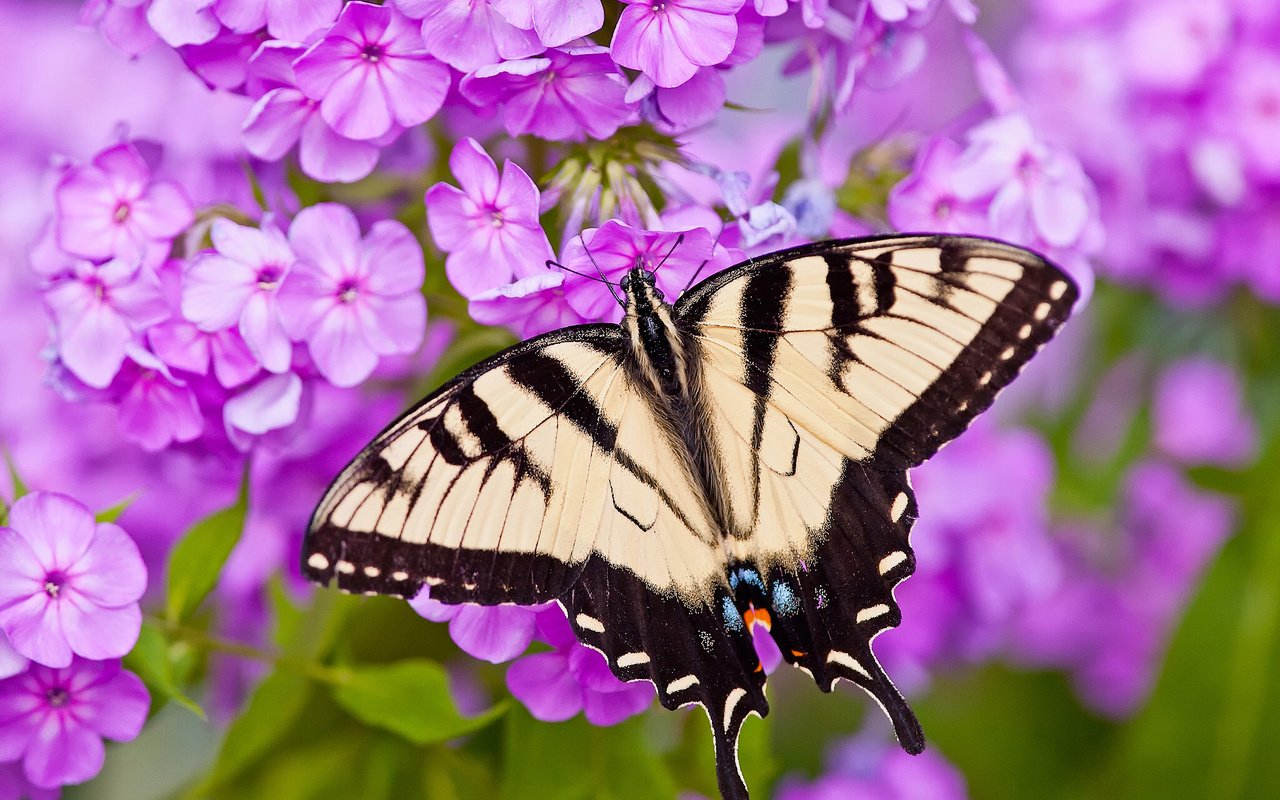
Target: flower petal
[
  {"x": 327, "y": 236},
  {"x": 58, "y": 528},
  {"x": 340, "y": 350},
  {"x": 495, "y": 634},
  {"x": 96, "y": 632},
  {"x": 545, "y": 685},
  {"x": 111, "y": 572},
  {"x": 115, "y": 708},
  {"x": 62, "y": 752}
]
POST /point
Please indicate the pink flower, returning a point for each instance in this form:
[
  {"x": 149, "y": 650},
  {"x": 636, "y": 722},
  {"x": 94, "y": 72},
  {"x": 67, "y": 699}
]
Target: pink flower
[
  {"x": 927, "y": 199},
  {"x": 556, "y": 22},
  {"x": 490, "y": 226},
  {"x": 284, "y": 117},
  {"x": 11, "y": 661},
  {"x": 154, "y": 409},
  {"x": 183, "y": 346},
  {"x": 183, "y": 22},
  {"x": 490, "y": 633},
  {"x": 98, "y": 310},
  {"x": 68, "y": 584},
  {"x": 371, "y": 73},
  {"x": 529, "y": 306},
  {"x": 237, "y": 286},
  {"x": 111, "y": 208},
  {"x": 561, "y": 95},
  {"x": 54, "y": 720},
  {"x": 123, "y": 24},
  {"x": 668, "y": 41},
  {"x": 468, "y": 34},
  {"x": 353, "y": 300},
  {"x": 284, "y": 19}
]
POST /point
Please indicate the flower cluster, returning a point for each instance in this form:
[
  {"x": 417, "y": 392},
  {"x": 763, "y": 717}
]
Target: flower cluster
[
  {"x": 69, "y": 592},
  {"x": 1173, "y": 109}
]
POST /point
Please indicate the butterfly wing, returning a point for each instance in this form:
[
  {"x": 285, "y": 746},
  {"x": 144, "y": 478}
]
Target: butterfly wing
[
  {"x": 853, "y": 361},
  {"x": 546, "y": 474}
]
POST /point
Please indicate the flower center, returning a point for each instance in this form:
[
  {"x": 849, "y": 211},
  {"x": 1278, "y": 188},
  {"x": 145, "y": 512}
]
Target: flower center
[
  {"x": 372, "y": 53},
  {"x": 268, "y": 277},
  {"x": 658, "y": 7},
  {"x": 121, "y": 214},
  {"x": 348, "y": 290},
  {"x": 1028, "y": 169},
  {"x": 53, "y": 582},
  {"x": 57, "y": 696},
  {"x": 496, "y": 220},
  {"x": 942, "y": 208}
]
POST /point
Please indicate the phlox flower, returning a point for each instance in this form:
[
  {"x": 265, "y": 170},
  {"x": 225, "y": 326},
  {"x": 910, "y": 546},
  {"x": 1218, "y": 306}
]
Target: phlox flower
[
  {"x": 353, "y": 299},
  {"x": 615, "y": 248},
  {"x": 560, "y": 95},
  {"x": 11, "y": 661},
  {"x": 489, "y": 226},
  {"x": 867, "y": 768},
  {"x": 572, "y": 678},
  {"x": 111, "y": 208},
  {"x": 183, "y": 22},
  {"x": 123, "y": 23},
  {"x": 54, "y": 719},
  {"x": 371, "y": 73},
  {"x": 1199, "y": 415},
  {"x": 153, "y": 407},
  {"x": 288, "y": 20},
  {"x": 68, "y": 584},
  {"x": 489, "y": 633},
  {"x": 182, "y": 345},
  {"x": 668, "y": 41},
  {"x": 468, "y": 34},
  {"x": 99, "y": 310},
  {"x": 928, "y": 200},
  {"x": 556, "y": 22},
  {"x": 284, "y": 116},
  {"x": 237, "y": 286},
  {"x": 529, "y": 306},
  {"x": 679, "y": 108}
]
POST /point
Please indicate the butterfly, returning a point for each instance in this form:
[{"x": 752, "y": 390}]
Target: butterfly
[{"x": 736, "y": 459}]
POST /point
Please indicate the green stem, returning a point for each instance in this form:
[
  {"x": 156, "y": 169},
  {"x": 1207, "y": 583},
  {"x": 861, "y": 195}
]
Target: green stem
[{"x": 206, "y": 641}]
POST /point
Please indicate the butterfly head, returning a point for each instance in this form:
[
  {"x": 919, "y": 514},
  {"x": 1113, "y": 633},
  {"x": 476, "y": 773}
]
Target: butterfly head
[{"x": 641, "y": 285}]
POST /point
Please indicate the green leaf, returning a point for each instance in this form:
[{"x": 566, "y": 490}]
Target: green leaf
[
  {"x": 19, "y": 488},
  {"x": 575, "y": 760},
  {"x": 453, "y": 774},
  {"x": 410, "y": 698},
  {"x": 151, "y": 660},
  {"x": 268, "y": 717},
  {"x": 198, "y": 557},
  {"x": 113, "y": 513}
]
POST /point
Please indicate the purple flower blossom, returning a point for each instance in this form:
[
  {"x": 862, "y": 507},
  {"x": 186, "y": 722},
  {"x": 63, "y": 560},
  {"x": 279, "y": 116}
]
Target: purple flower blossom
[
  {"x": 556, "y": 22},
  {"x": 490, "y": 226},
  {"x": 270, "y": 404},
  {"x": 284, "y": 117},
  {"x": 556, "y": 685},
  {"x": 283, "y": 19},
  {"x": 490, "y": 633},
  {"x": 11, "y": 661},
  {"x": 615, "y": 248},
  {"x": 68, "y": 584},
  {"x": 183, "y": 22},
  {"x": 14, "y": 785},
  {"x": 123, "y": 24},
  {"x": 351, "y": 299},
  {"x": 181, "y": 345},
  {"x": 154, "y": 409},
  {"x": 561, "y": 95},
  {"x": 673, "y": 110},
  {"x": 238, "y": 285},
  {"x": 928, "y": 200},
  {"x": 866, "y": 769},
  {"x": 370, "y": 73},
  {"x": 529, "y": 306},
  {"x": 98, "y": 311},
  {"x": 669, "y": 41},
  {"x": 54, "y": 719},
  {"x": 112, "y": 208},
  {"x": 469, "y": 34},
  {"x": 1199, "y": 415}
]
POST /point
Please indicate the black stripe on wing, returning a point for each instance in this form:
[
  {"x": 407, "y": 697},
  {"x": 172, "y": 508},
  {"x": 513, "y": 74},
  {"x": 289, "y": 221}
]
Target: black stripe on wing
[{"x": 694, "y": 650}]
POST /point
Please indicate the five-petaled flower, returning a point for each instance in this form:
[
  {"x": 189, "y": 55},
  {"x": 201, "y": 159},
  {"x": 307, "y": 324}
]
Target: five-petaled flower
[
  {"x": 669, "y": 40},
  {"x": 54, "y": 719},
  {"x": 68, "y": 584}
]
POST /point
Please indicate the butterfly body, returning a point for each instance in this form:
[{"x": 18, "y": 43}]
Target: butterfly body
[{"x": 735, "y": 459}]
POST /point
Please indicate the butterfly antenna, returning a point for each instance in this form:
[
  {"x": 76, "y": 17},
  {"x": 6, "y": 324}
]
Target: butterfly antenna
[
  {"x": 714, "y": 244},
  {"x": 600, "y": 272},
  {"x": 679, "y": 241},
  {"x": 551, "y": 262}
]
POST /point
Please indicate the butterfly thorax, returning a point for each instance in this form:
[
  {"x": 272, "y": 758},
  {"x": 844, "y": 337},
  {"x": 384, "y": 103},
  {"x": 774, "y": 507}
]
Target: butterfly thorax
[{"x": 656, "y": 345}]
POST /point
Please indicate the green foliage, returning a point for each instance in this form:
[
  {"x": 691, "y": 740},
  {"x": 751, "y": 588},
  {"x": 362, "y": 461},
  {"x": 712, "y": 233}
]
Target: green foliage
[
  {"x": 410, "y": 698},
  {"x": 197, "y": 558},
  {"x": 159, "y": 663}
]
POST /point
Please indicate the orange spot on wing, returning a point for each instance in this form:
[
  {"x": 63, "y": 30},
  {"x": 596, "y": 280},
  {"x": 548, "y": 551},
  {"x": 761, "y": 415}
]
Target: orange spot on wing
[{"x": 798, "y": 653}]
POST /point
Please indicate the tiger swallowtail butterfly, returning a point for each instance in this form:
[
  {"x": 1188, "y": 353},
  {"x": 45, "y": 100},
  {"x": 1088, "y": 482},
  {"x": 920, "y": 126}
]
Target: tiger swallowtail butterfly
[{"x": 737, "y": 458}]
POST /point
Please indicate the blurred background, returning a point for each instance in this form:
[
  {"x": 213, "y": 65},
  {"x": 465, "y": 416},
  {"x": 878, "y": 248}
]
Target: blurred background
[{"x": 1096, "y": 610}]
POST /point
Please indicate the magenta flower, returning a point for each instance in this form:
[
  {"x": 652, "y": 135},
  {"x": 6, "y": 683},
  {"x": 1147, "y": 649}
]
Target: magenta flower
[
  {"x": 14, "y": 785},
  {"x": 530, "y": 306},
  {"x": 11, "y": 661},
  {"x": 237, "y": 286},
  {"x": 669, "y": 41},
  {"x": 183, "y": 346},
  {"x": 154, "y": 409},
  {"x": 183, "y": 22},
  {"x": 371, "y": 73},
  {"x": 866, "y": 768},
  {"x": 54, "y": 719},
  {"x": 68, "y": 584},
  {"x": 927, "y": 199},
  {"x": 616, "y": 247},
  {"x": 284, "y": 19},
  {"x": 270, "y": 404},
  {"x": 562, "y": 95},
  {"x": 1199, "y": 415},
  {"x": 468, "y": 34},
  {"x": 284, "y": 117},
  {"x": 99, "y": 309},
  {"x": 557, "y": 685},
  {"x": 556, "y": 22},
  {"x": 490, "y": 226},
  {"x": 353, "y": 300},
  {"x": 110, "y": 208},
  {"x": 123, "y": 23},
  {"x": 494, "y": 634}
]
